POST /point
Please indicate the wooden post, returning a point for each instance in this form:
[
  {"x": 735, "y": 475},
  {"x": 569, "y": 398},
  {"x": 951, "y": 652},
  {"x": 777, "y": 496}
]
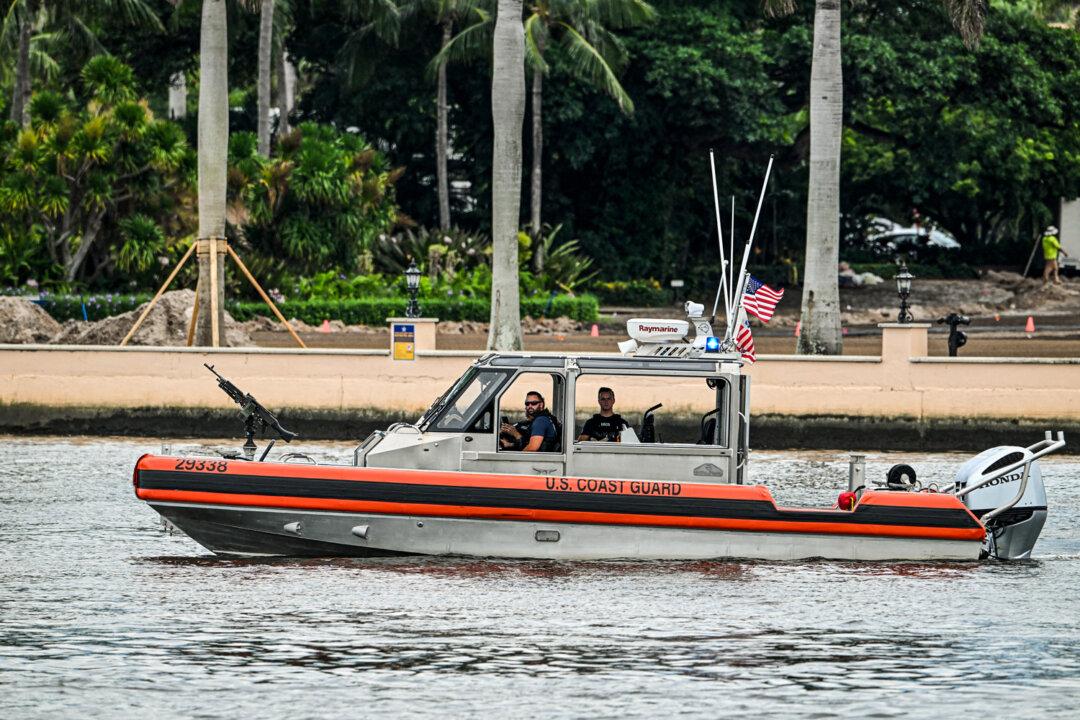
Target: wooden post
[
  {"x": 264, "y": 296},
  {"x": 214, "y": 329},
  {"x": 194, "y": 318},
  {"x": 160, "y": 292}
]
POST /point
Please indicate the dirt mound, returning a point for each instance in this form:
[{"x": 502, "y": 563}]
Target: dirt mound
[
  {"x": 464, "y": 327},
  {"x": 336, "y": 326},
  {"x": 165, "y": 326},
  {"x": 22, "y": 321}
]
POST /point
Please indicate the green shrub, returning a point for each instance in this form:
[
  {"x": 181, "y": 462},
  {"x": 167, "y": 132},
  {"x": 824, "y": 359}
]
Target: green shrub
[
  {"x": 70, "y": 307},
  {"x": 631, "y": 293},
  {"x": 374, "y": 311}
]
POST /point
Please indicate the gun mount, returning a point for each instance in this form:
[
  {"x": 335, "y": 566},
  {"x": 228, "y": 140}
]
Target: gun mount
[{"x": 256, "y": 416}]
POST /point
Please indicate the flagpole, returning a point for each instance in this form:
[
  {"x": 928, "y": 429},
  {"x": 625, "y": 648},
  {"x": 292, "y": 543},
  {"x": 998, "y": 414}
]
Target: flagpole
[
  {"x": 720, "y": 242},
  {"x": 740, "y": 289}
]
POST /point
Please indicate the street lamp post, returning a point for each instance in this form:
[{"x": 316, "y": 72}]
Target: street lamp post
[
  {"x": 412, "y": 281},
  {"x": 903, "y": 289}
]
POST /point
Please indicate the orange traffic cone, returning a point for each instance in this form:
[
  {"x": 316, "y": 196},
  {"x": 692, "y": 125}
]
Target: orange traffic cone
[
  {"x": 798, "y": 328},
  {"x": 595, "y": 332},
  {"x": 1030, "y": 327},
  {"x": 325, "y": 326}
]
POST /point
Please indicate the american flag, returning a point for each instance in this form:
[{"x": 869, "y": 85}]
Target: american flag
[
  {"x": 760, "y": 300},
  {"x": 744, "y": 339}
]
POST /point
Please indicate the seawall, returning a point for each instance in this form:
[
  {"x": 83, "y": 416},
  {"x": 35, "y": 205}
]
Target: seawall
[{"x": 902, "y": 399}]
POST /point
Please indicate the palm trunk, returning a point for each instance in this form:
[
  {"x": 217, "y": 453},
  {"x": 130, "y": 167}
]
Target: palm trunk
[
  {"x": 537, "y": 164},
  {"x": 508, "y": 116},
  {"x": 442, "y": 144},
  {"x": 177, "y": 96},
  {"x": 821, "y": 295},
  {"x": 286, "y": 84},
  {"x": 266, "y": 36},
  {"x": 213, "y": 152},
  {"x": 20, "y": 97},
  {"x": 284, "y": 92}
]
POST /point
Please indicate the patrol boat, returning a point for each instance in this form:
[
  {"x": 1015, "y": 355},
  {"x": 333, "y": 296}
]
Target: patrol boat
[{"x": 443, "y": 486}]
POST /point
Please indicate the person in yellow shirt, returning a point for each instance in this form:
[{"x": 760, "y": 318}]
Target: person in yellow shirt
[{"x": 1051, "y": 249}]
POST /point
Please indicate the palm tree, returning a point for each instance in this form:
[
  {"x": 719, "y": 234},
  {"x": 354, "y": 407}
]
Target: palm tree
[
  {"x": 583, "y": 29},
  {"x": 67, "y": 21},
  {"x": 821, "y": 333},
  {"x": 266, "y": 38},
  {"x": 508, "y": 115},
  {"x": 596, "y": 55},
  {"x": 213, "y": 157},
  {"x": 447, "y": 13}
]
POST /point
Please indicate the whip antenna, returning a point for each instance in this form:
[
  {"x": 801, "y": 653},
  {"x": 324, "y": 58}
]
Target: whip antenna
[
  {"x": 720, "y": 242},
  {"x": 740, "y": 289},
  {"x": 731, "y": 240}
]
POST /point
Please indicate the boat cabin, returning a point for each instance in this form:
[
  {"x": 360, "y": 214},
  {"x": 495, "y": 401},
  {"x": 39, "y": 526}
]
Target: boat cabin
[{"x": 687, "y": 412}]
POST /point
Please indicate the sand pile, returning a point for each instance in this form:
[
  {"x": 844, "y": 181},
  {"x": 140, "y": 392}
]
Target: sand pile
[
  {"x": 165, "y": 326},
  {"x": 463, "y": 327},
  {"x": 22, "y": 321},
  {"x": 336, "y": 326}
]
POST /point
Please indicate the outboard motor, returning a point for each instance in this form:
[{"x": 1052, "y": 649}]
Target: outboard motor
[{"x": 1012, "y": 532}]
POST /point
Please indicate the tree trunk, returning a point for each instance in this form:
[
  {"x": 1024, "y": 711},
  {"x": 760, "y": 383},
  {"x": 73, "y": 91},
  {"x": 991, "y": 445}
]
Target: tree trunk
[
  {"x": 73, "y": 265},
  {"x": 266, "y": 36},
  {"x": 286, "y": 81},
  {"x": 442, "y": 140},
  {"x": 178, "y": 96},
  {"x": 20, "y": 97},
  {"x": 213, "y": 154},
  {"x": 537, "y": 163},
  {"x": 820, "y": 333},
  {"x": 508, "y": 116}
]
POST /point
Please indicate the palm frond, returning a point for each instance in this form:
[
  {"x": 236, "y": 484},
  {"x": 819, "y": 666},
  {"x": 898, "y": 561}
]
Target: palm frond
[
  {"x": 779, "y": 8},
  {"x": 609, "y": 46},
  {"x": 969, "y": 19},
  {"x": 590, "y": 65},
  {"x": 469, "y": 44},
  {"x": 619, "y": 13},
  {"x": 382, "y": 17},
  {"x": 536, "y": 36}
]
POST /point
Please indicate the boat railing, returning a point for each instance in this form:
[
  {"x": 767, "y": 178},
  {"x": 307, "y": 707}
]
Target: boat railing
[
  {"x": 1047, "y": 445},
  {"x": 361, "y": 451}
]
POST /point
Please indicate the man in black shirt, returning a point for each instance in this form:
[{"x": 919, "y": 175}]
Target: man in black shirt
[
  {"x": 606, "y": 424},
  {"x": 538, "y": 432}
]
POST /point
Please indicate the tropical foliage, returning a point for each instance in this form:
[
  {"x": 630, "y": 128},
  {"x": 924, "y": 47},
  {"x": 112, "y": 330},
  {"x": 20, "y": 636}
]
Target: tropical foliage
[
  {"x": 92, "y": 181},
  {"x": 318, "y": 203},
  {"x": 982, "y": 141}
]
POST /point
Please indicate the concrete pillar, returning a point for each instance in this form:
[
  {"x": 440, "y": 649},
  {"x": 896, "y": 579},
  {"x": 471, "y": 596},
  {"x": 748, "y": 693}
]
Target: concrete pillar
[
  {"x": 901, "y": 341},
  {"x": 426, "y": 331}
]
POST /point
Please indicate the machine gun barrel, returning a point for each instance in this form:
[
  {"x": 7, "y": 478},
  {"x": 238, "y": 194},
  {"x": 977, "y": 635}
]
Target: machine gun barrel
[{"x": 250, "y": 407}]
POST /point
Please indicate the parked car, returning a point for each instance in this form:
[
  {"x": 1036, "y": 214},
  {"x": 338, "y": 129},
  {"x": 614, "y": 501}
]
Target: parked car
[{"x": 915, "y": 241}]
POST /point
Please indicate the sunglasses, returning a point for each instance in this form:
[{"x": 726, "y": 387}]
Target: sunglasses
[{"x": 532, "y": 402}]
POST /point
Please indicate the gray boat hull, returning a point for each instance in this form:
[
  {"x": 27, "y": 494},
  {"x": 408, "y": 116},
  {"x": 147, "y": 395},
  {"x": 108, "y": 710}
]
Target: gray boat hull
[{"x": 250, "y": 531}]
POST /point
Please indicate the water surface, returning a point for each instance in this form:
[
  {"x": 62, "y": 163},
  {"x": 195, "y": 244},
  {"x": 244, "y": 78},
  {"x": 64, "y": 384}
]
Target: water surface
[{"x": 103, "y": 614}]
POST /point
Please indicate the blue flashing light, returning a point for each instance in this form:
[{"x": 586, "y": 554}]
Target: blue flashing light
[{"x": 712, "y": 344}]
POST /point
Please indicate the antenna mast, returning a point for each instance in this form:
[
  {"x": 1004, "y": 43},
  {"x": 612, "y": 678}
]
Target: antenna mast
[
  {"x": 739, "y": 289},
  {"x": 720, "y": 242}
]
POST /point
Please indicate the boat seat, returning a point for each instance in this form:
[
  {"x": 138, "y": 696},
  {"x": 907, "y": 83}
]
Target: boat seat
[{"x": 708, "y": 427}]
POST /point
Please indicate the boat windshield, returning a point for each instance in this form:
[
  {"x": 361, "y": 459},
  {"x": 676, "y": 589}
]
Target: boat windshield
[{"x": 469, "y": 397}]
